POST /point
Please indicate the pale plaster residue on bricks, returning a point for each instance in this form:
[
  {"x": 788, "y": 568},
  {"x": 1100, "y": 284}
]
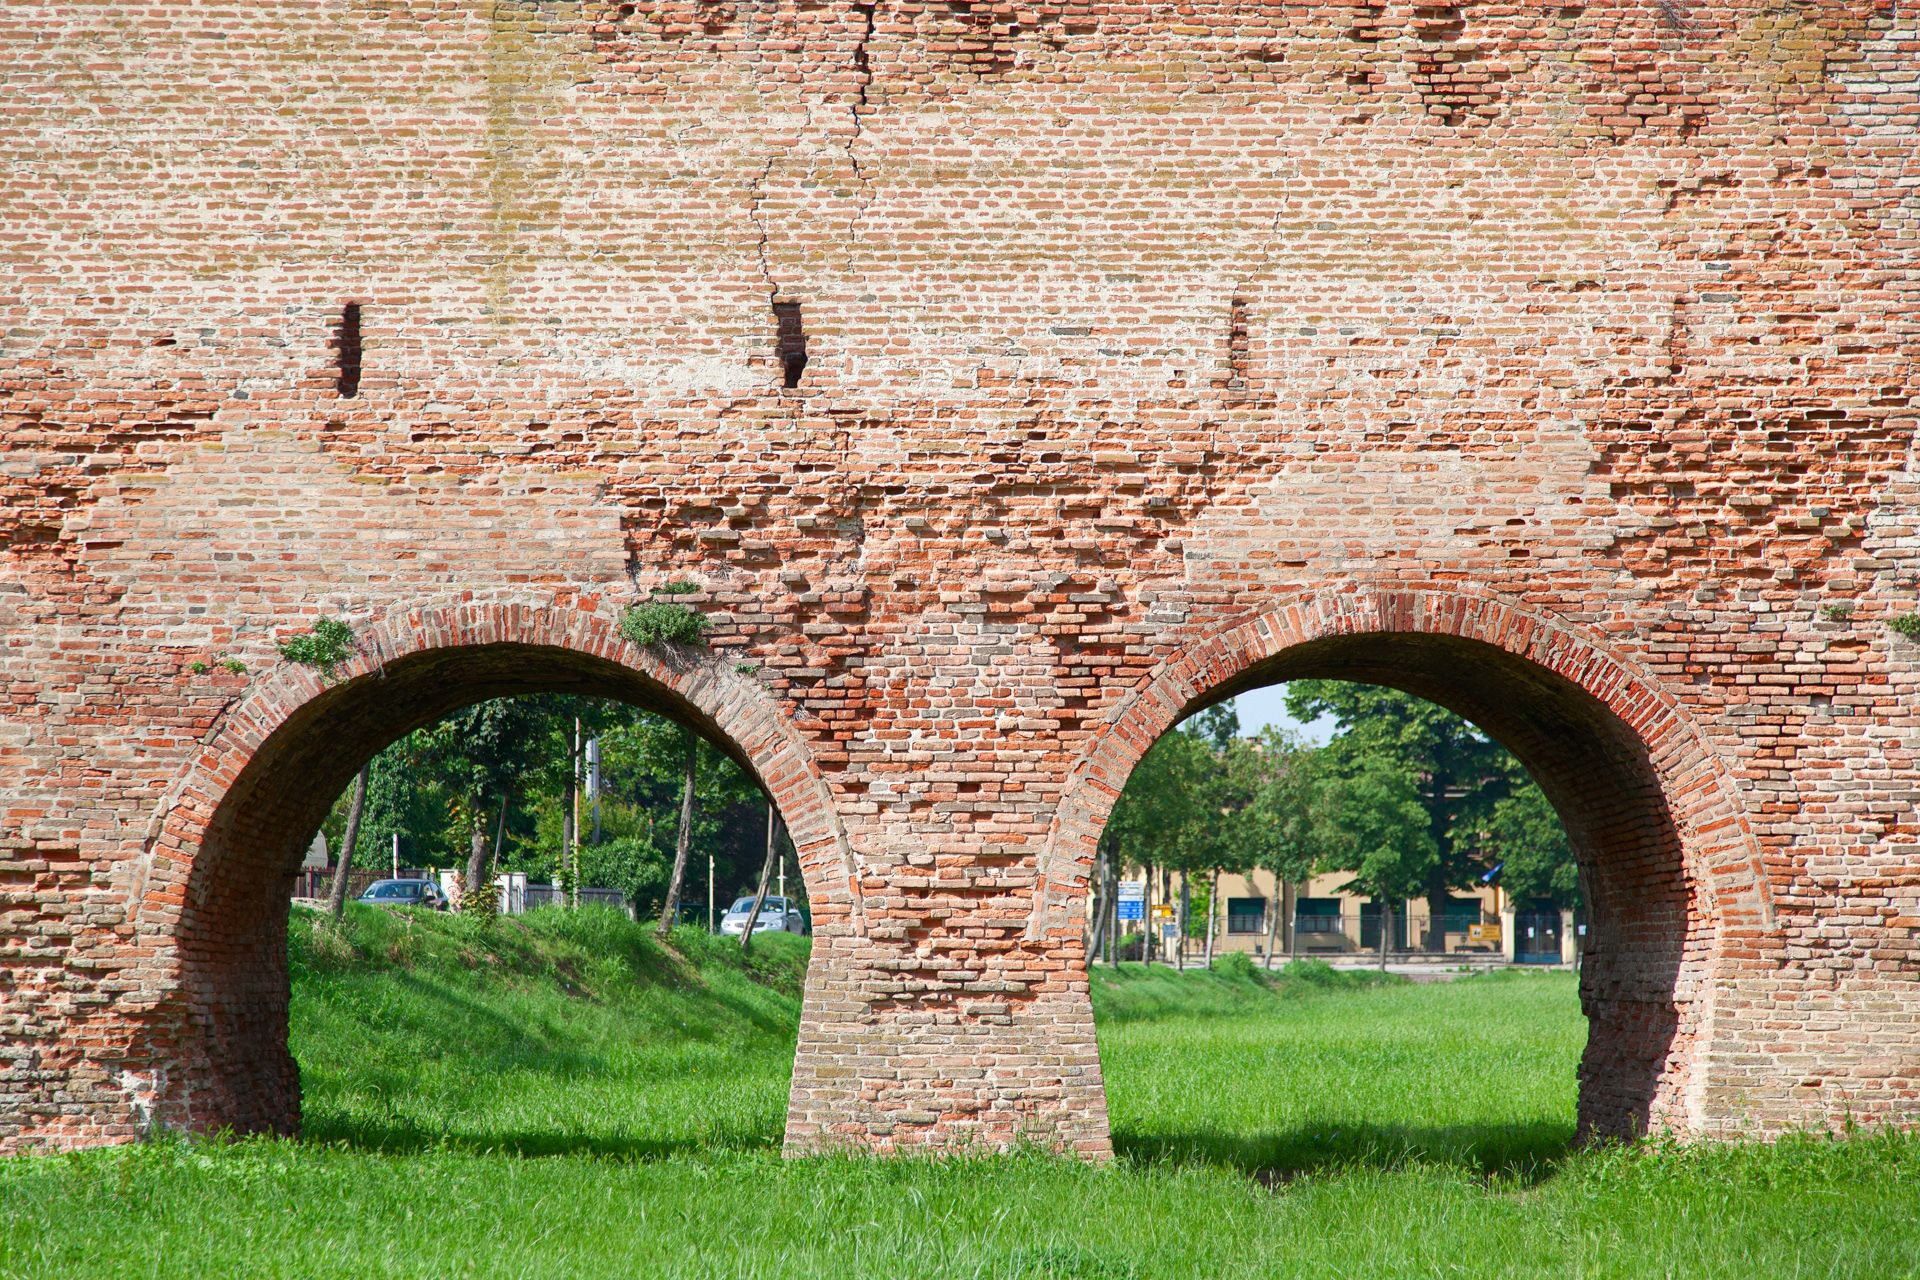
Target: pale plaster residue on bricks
[{"x": 1557, "y": 363}]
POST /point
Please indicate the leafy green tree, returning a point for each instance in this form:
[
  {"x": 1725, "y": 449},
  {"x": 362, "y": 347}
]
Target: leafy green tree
[
  {"x": 505, "y": 770},
  {"x": 1276, "y": 828},
  {"x": 1370, "y": 821},
  {"x": 1527, "y": 837},
  {"x": 1459, "y": 773},
  {"x": 1180, "y": 810}
]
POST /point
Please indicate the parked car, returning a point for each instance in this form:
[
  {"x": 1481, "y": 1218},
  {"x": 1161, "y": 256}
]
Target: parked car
[
  {"x": 405, "y": 893},
  {"x": 777, "y": 915}
]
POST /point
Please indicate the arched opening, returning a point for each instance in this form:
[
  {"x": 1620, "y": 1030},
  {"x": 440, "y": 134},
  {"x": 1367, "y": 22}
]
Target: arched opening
[
  {"x": 1660, "y": 852},
  {"x": 1602, "y": 781},
  {"x": 219, "y": 882}
]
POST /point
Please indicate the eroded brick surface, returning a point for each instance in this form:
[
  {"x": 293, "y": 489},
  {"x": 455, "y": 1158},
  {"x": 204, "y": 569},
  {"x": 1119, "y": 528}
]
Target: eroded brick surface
[{"x": 1556, "y": 362}]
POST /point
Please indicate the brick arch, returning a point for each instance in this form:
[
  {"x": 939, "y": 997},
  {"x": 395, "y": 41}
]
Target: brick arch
[
  {"x": 212, "y": 892},
  {"x": 1673, "y": 872}
]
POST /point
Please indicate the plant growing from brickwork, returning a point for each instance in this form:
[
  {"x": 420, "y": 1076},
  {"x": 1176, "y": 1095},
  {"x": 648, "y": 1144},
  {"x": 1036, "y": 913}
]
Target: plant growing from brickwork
[
  {"x": 665, "y": 621},
  {"x": 1908, "y": 625},
  {"x": 1836, "y": 612},
  {"x": 323, "y": 648}
]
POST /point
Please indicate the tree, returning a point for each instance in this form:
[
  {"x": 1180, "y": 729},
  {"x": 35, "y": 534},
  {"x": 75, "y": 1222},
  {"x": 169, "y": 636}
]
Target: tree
[
  {"x": 1531, "y": 844},
  {"x": 759, "y": 893},
  {"x": 505, "y": 769},
  {"x": 337, "y": 897},
  {"x": 481, "y": 752},
  {"x": 1278, "y": 824},
  {"x": 1163, "y": 817},
  {"x": 683, "y": 838},
  {"x": 1460, "y": 774},
  {"x": 1371, "y": 822}
]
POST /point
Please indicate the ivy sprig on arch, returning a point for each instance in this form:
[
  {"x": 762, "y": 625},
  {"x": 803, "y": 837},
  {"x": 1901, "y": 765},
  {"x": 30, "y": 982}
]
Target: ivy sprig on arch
[{"x": 326, "y": 645}]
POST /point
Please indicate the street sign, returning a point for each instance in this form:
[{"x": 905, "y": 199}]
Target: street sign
[
  {"x": 1133, "y": 900},
  {"x": 1483, "y": 933},
  {"x": 1162, "y": 911}
]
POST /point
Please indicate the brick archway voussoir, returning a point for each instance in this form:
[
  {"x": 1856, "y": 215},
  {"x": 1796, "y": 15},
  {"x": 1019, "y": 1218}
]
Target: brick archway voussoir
[
  {"x": 1720, "y": 848},
  {"x": 730, "y": 705}
]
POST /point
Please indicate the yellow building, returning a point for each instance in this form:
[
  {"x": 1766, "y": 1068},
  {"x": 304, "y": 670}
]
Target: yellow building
[{"x": 1314, "y": 918}]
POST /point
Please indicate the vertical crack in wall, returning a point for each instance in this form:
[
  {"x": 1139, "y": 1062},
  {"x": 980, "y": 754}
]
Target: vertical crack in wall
[
  {"x": 863, "y": 68},
  {"x": 755, "y": 198}
]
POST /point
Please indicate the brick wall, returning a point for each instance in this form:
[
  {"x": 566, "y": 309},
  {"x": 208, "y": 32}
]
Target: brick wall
[{"x": 1555, "y": 362}]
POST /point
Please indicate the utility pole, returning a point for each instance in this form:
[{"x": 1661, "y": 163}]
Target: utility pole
[
  {"x": 396, "y": 855},
  {"x": 712, "y": 924},
  {"x": 593, "y": 783},
  {"x": 573, "y": 828}
]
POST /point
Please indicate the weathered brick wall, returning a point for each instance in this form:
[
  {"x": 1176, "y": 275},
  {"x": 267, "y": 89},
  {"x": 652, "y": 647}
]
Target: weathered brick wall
[{"x": 1556, "y": 362}]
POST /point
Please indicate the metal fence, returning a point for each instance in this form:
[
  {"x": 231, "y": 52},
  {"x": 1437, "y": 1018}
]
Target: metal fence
[
  {"x": 547, "y": 895},
  {"x": 1416, "y": 935},
  {"x": 316, "y": 885}
]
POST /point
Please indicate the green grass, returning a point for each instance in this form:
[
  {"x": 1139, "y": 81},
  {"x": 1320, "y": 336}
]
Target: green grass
[
  {"x": 561, "y": 1098},
  {"x": 574, "y": 1035}
]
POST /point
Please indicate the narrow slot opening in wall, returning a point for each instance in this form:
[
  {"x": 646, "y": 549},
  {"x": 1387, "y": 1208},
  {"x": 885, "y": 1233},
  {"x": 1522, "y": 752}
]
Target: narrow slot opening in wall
[
  {"x": 346, "y": 343},
  {"x": 792, "y": 342},
  {"x": 1237, "y": 361}
]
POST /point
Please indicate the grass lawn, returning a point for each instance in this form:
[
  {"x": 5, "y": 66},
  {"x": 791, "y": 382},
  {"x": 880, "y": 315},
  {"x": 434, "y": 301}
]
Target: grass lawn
[{"x": 562, "y": 1099}]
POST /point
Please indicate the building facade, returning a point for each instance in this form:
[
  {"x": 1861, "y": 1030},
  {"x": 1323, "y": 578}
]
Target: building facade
[{"x": 1256, "y": 914}]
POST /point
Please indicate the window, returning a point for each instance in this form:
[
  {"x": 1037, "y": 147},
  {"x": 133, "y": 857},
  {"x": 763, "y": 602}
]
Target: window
[
  {"x": 1316, "y": 915},
  {"x": 1246, "y": 915},
  {"x": 1460, "y": 914}
]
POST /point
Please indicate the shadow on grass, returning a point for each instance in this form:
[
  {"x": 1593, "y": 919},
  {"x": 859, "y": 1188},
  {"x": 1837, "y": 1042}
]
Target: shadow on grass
[
  {"x": 1526, "y": 1154},
  {"x": 389, "y": 1136}
]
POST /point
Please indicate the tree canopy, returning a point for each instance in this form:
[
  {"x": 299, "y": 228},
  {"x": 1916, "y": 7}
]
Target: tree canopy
[
  {"x": 1407, "y": 798},
  {"x": 436, "y": 784}
]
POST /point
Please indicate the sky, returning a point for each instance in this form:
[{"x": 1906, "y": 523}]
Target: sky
[{"x": 1262, "y": 707}]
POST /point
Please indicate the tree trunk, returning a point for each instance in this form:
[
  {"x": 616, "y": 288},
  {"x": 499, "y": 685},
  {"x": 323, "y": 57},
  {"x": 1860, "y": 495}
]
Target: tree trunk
[
  {"x": 476, "y": 860},
  {"x": 337, "y": 899},
  {"x": 481, "y": 859},
  {"x": 1276, "y": 905},
  {"x": 671, "y": 907},
  {"x": 500, "y": 830},
  {"x": 1386, "y": 927},
  {"x": 570, "y": 820},
  {"x": 760, "y": 894},
  {"x": 1180, "y": 924},
  {"x": 1213, "y": 913},
  {"x": 1113, "y": 920},
  {"x": 1097, "y": 903}
]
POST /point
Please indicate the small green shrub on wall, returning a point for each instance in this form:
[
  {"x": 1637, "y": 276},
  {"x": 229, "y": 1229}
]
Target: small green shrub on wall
[
  {"x": 324, "y": 648},
  {"x": 664, "y": 621},
  {"x": 1908, "y": 625}
]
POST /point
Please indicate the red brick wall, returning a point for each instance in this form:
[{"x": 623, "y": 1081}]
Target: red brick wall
[{"x": 1554, "y": 362}]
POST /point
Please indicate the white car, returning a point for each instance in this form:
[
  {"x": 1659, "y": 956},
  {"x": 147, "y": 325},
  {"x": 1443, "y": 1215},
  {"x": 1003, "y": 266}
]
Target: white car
[{"x": 777, "y": 915}]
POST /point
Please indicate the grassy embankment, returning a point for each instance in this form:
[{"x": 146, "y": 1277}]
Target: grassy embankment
[{"x": 562, "y": 1099}]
